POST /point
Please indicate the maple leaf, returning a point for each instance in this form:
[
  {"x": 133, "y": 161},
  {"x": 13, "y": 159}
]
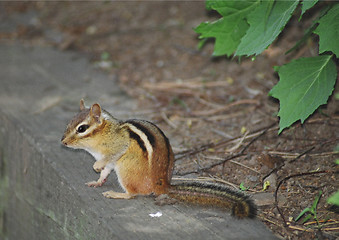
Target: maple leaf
[
  {"x": 262, "y": 32},
  {"x": 305, "y": 84},
  {"x": 229, "y": 29},
  {"x": 328, "y": 31}
]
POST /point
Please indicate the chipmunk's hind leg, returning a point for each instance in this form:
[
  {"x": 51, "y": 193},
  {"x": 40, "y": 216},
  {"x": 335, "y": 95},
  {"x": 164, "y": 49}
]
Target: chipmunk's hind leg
[{"x": 117, "y": 195}]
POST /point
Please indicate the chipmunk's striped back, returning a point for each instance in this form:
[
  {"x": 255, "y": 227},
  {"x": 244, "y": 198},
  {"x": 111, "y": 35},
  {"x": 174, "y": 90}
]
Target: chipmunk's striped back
[{"x": 156, "y": 151}]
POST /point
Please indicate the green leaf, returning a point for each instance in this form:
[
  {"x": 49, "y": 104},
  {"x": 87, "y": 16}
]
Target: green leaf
[
  {"x": 302, "y": 213},
  {"x": 310, "y": 30},
  {"x": 312, "y": 210},
  {"x": 229, "y": 29},
  {"x": 308, "y": 217},
  {"x": 238, "y": 8},
  {"x": 315, "y": 203},
  {"x": 269, "y": 9},
  {"x": 307, "y": 4},
  {"x": 304, "y": 85},
  {"x": 328, "y": 31},
  {"x": 334, "y": 199},
  {"x": 261, "y": 33},
  {"x": 242, "y": 187},
  {"x": 227, "y": 36}
]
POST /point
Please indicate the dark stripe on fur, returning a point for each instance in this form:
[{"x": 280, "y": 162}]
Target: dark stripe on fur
[
  {"x": 150, "y": 136},
  {"x": 168, "y": 145},
  {"x": 145, "y": 130},
  {"x": 136, "y": 137}
]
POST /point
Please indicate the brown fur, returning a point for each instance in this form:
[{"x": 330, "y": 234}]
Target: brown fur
[
  {"x": 143, "y": 178},
  {"x": 127, "y": 146}
]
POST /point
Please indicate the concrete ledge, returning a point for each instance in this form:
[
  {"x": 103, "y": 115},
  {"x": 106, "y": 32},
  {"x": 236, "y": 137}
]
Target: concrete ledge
[{"x": 43, "y": 195}]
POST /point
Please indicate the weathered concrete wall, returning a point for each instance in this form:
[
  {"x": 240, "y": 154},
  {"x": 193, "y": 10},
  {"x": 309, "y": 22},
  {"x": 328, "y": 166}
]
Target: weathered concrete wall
[{"x": 43, "y": 195}]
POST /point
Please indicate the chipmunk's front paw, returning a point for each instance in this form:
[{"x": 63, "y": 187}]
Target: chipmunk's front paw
[
  {"x": 98, "y": 166},
  {"x": 96, "y": 183}
]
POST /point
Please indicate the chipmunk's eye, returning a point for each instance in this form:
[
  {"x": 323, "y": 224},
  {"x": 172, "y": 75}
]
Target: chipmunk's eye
[{"x": 82, "y": 128}]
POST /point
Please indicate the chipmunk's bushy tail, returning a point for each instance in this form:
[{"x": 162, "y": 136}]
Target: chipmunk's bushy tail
[{"x": 211, "y": 194}]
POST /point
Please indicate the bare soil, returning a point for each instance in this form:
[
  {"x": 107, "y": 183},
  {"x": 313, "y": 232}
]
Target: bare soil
[{"x": 216, "y": 111}]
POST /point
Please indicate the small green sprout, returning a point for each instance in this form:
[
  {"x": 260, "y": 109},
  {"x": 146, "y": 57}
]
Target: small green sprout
[
  {"x": 310, "y": 211},
  {"x": 242, "y": 187}
]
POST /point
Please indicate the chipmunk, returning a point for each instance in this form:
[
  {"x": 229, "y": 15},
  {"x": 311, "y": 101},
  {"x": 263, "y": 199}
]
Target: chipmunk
[{"x": 142, "y": 157}]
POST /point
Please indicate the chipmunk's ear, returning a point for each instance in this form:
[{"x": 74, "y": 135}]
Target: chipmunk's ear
[
  {"x": 82, "y": 105},
  {"x": 95, "y": 112}
]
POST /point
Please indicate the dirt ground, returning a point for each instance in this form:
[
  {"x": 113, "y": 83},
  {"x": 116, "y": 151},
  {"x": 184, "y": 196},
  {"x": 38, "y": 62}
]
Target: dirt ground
[{"x": 216, "y": 111}]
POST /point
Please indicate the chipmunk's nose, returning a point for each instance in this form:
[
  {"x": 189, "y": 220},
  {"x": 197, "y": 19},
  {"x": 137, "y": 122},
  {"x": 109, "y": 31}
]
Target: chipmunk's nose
[{"x": 63, "y": 140}]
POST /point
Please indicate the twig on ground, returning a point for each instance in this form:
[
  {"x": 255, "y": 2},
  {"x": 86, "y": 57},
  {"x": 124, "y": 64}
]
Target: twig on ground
[
  {"x": 243, "y": 165},
  {"x": 169, "y": 122},
  {"x": 186, "y": 87},
  {"x": 293, "y": 155},
  {"x": 224, "y": 160},
  {"x": 299, "y": 156},
  {"x": 300, "y": 228},
  {"x": 283, "y": 164},
  {"x": 238, "y": 144},
  {"x": 212, "y": 112},
  {"x": 204, "y": 147},
  {"x": 238, "y": 163},
  {"x": 324, "y": 222},
  {"x": 270, "y": 221},
  {"x": 228, "y": 115}
]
